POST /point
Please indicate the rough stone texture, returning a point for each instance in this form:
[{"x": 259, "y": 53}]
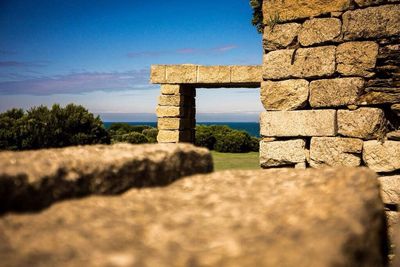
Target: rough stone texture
[
  {"x": 177, "y": 89},
  {"x": 246, "y": 74},
  {"x": 298, "y": 123},
  {"x": 298, "y": 9},
  {"x": 173, "y": 100},
  {"x": 233, "y": 218},
  {"x": 174, "y": 136},
  {"x": 157, "y": 73},
  {"x": 181, "y": 73},
  {"x": 357, "y": 58},
  {"x": 301, "y": 63},
  {"x": 394, "y": 135},
  {"x": 372, "y": 22},
  {"x": 393, "y": 222},
  {"x": 35, "y": 179},
  {"x": 280, "y": 36},
  {"x": 170, "y": 111},
  {"x": 282, "y": 153},
  {"x": 382, "y": 157},
  {"x": 316, "y": 31},
  {"x": 335, "y": 92},
  {"x": 364, "y": 123},
  {"x": 175, "y": 123},
  {"x": 335, "y": 152},
  {"x": 396, "y": 109},
  {"x": 379, "y": 95},
  {"x": 214, "y": 74},
  {"x": 365, "y": 3},
  {"x": 390, "y": 189},
  {"x": 284, "y": 95}
]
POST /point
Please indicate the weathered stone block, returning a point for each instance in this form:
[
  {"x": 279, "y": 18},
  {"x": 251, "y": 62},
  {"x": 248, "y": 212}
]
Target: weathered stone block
[
  {"x": 390, "y": 189},
  {"x": 280, "y": 36},
  {"x": 302, "y": 63},
  {"x": 335, "y": 92},
  {"x": 232, "y": 218},
  {"x": 372, "y": 22},
  {"x": 298, "y": 9},
  {"x": 365, "y": 3},
  {"x": 177, "y": 89},
  {"x": 284, "y": 95},
  {"x": 364, "y": 123},
  {"x": 382, "y": 157},
  {"x": 316, "y": 31},
  {"x": 169, "y": 111},
  {"x": 174, "y": 100},
  {"x": 32, "y": 180},
  {"x": 174, "y": 124},
  {"x": 335, "y": 152},
  {"x": 357, "y": 58},
  {"x": 298, "y": 123},
  {"x": 282, "y": 153},
  {"x": 167, "y": 136},
  {"x": 181, "y": 74},
  {"x": 246, "y": 74},
  {"x": 214, "y": 74},
  {"x": 157, "y": 73},
  {"x": 379, "y": 95}
]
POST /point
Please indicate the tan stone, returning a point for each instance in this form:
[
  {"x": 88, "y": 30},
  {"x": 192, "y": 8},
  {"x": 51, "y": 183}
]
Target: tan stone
[
  {"x": 390, "y": 189},
  {"x": 177, "y": 89},
  {"x": 173, "y": 100},
  {"x": 32, "y": 180},
  {"x": 298, "y": 123},
  {"x": 357, "y": 58},
  {"x": 307, "y": 63},
  {"x": 396, "y": 108},
  {"x": 246, "y": 74},
  {"x": 335, "y": 152},
  {"x": 372, "y": 22},
  {"x": 167, "y": 136},
  {"x": 379, "y": 95},
  {"x": 364, "y": 123},
  {"x": 157, "y": 73},
  {"x": 169, "y": 111},
  {"x": 214, "y": 74},
  {"x": 280, "y": 36},
  {"x": 365, "y": 3},
  {"x": 335, "y": 92},
  {"x": 181, "y": 73},
  {"x": 393, "y": 225},
  {"x": 316, "y": 31},
  {"x": 282, "y": 153},
  {"x": 382, "y": 157},
  {"x": 174, "y": 124},
  {"x": 298, "y": 9},
  {"x": 393, "y": 135},
  {"x": 231, "y": 218},
  {"x": 284, "y": 95}
]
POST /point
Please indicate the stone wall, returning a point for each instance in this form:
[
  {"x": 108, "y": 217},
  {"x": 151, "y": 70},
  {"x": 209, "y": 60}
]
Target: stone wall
[{"x": 331, "y": 87}]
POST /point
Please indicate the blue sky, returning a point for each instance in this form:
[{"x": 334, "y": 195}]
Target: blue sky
[{"x": 98, "y": 53}]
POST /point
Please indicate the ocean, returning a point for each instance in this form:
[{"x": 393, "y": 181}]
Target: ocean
[{"x": 253, "y": 128}]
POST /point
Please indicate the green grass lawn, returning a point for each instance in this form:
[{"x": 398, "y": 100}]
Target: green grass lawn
[{"x": 229, "y": 161}]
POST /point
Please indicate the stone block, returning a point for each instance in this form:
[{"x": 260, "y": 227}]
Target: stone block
[
  {"x": 171, "y": 111},
  {"x": 372, "y": 22},
  {"x": 365, "y": 3},
  {"x": 174, "y": 100},
  {"x": 382, "y": 157},
  {"x": 316, "y": 31},
  {"x": 280, "y": 36},
  {"x": 335, "y": 152},
  {"x": 214, "y": 74},
  {"x": 32, "y": 180},
  {"x": 380, "y": 95},
  {"x": 177, "y": 89},
  {"x": 299, "y": 9},
  {"x": 284, "y": 95},
  {"x": 282, "y": 153},
  {"x": 298, "y": 123},
  {"x": 393, "y": 135},
  {"x": 158, "y": 73},
  {"x": 393, "y": 225},
  {"x": 364, "y": 123},
  {"x": 181, "y": 73},
  {"x": 246, "y": 74},
  {"x": 174, "y": 124},
  {"x": 357, "y": 58},
  {"x": 390, "y": 189},
  {"x": 335, "y": 92},
  {"x": 167, "y": 136},
  {"x": 301, "y": 63}
]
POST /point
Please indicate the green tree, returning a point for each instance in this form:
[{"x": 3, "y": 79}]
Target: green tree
[{"x": 257, "y": 19}]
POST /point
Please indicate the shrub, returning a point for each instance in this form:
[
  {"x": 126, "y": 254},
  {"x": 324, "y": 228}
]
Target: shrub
[
  {"x": 257, "y": 19},
  {"x": 205, "y": 136},
  {"x": 123, "y": 128},
  {"x": 151, "y": 134},
  {"x": 254, "y": 144},
  {"x": 40, "y": 127},
  {"x": 132, "y": 138},
  {"x": 234, "y": 142}
]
